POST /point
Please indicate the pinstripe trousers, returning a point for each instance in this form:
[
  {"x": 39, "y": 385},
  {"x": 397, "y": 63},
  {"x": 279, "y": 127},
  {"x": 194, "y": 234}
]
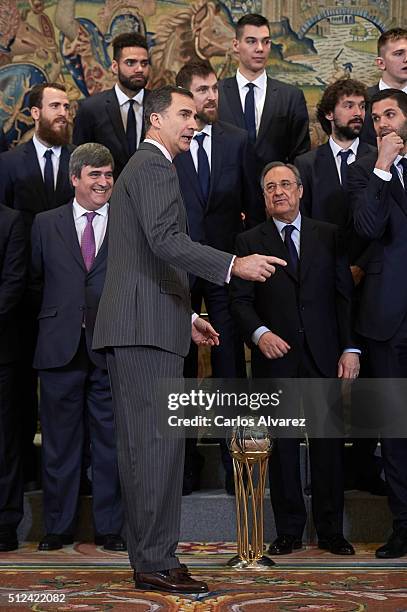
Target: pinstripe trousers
[{"x": 150, "y": 465}]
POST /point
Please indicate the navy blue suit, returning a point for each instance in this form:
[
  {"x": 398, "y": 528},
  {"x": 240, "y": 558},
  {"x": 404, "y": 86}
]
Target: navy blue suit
[
  {"x": 73, "y": 377},
  {"x": 12, "y": 283},
  {"x": 380, "y": 214},
  {"x": 284, "y": 127}
]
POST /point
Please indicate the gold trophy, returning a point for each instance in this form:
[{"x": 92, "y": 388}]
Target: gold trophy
[{"x": 250, "y": 448}]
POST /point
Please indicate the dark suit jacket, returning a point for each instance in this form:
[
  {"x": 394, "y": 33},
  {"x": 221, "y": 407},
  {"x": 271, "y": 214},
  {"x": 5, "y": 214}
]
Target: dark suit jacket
[
  {"x": 64, "y": 290},
  {"x": 316, "y": 305},
  {"x": 3, "y": 141},
  {"x": 283, "y": 132},
  {"x": 233, "y": 189},
  {"x": 325, "y": 200},
  {"x": 12, "y": 280},
  {"x": 380, "y": 215},
  {"x": 22, "y": 185},
  {"x": 99, "y": 120},
  {"x": 146, "y": 300},
  {"x": 368, "y": 133}
]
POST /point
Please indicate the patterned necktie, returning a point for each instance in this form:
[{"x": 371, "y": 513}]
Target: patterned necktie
[
  {"x": 131, "y": 130},
  {"x": 249, "y": 113},
  {"x": 344, "y": 155},
  {"x": 403, "y": 164},
  {"x": 289, "y": 243},
  {"x": 88, "y": 244},
  {"x": 204, "y": 172},
  {"x": 49, "y": 179}
]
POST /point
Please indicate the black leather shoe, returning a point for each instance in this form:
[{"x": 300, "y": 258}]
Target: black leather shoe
[
  {"x": 284, "y": 545},
  {"x": 111, "y": 541},
  {"x": 395, "y": 547},
  {"x": 337, "y": 545},
  {"x": 8, "y": 540},
  {"x": 54, "y": 541},
  {"x": 176, "y": 580}
]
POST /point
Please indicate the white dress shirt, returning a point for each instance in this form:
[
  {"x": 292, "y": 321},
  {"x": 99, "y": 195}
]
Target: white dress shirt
[
  {"x": 259, "y": 93},
  {"x": 383, "y": 85},
  {"x": 207, "y": 145},
  {"x": 99, "y": 222},
  {"x": 387, "y": 176},
  {"x": 137, "y": 106},
  {"x": 336, "y": 149},
  {"x": 40, "y": 150}
]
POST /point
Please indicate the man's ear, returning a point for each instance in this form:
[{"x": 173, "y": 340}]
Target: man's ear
[
  {"x": 115, "y": 67},
  {"x": 35, "y": 112},
  {"x": 380, "y": 63},
  {"x": 155, "y": 120}
]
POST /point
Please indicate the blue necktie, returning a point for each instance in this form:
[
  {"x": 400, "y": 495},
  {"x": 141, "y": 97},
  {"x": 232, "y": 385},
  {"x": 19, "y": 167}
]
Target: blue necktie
[
  {"x": 49, "y": 178},
  {"x": 131, "y": 129},
  {"x": 292, "y": 251},
  {"x": 204, "y": 172},
  {"x": 249, "y": 113},
  {"x": 344, "y": 167},
  {"x": 403, "y": 164}
]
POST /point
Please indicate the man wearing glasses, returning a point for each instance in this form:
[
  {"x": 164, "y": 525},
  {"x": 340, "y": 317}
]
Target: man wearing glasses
[{"x": 299, "y": 326}]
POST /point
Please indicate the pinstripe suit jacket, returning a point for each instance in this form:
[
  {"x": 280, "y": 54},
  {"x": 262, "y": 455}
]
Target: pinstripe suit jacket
[{"x": 146, "y": 301}]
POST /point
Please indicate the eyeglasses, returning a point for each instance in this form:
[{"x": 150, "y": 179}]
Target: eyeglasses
[{"x": 285, "y": 186}]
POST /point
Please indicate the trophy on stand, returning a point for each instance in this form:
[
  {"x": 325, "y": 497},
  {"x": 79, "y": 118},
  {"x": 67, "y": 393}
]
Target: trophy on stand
[{"x": 250, "y": 448}]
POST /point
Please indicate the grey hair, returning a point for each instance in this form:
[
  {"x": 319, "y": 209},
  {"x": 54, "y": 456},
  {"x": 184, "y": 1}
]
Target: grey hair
[
  {"x": 278, "y": 164},
  {"x": 89, "y": 154}
]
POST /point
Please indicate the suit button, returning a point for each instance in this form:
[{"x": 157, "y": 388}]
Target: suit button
[
  {"x": 300, "y": 331},
  {"x": 82, "y": 307},
  {"x": 302, "y": 307}
]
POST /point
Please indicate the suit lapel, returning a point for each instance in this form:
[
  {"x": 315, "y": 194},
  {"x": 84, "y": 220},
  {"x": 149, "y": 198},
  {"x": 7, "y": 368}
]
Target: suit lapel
[
  {"x": 275, "y": 246},
  {"x": 113, "y": 112},
  {"x": 268, "y": 109},
  {"x": 102, "y": 252},
  {"x": 66, "y": 227},
  {"x": 307, "y": 245},
  {"x": 188, "y": 168},
  {"x": 216, "y": 157},
  {"x": 63, "y": 175},
  {"x": 231, "y": 90},
  {"x": 397, "y": 190},
  {"x": 34, "y": 172}
]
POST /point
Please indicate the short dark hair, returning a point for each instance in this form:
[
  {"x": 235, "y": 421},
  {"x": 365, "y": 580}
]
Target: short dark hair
[
  {"x": 188, "y": 71},
  {"x": 279, "y": 164},
  {"x": 393, "y": 94},
  {"x": 331, "y": 96},
  {"x": 252, "y": 19},
  {"x": 37, "y": 93},
  {"x": 160, "y": 99},
  {"x": 390, "y": 35},
  {"x": 89, "y": 154},
  {"x": 127, "y": 39}
]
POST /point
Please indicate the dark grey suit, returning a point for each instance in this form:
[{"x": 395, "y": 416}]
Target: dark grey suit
[{"x": 145, "y": 319}]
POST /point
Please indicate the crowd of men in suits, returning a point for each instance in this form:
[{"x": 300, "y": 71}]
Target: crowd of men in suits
[{"x": 217, "y": 198}]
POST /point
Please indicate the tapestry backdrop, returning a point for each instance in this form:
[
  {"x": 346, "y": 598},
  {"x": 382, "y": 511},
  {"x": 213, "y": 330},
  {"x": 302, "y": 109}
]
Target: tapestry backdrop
[{"x": 315, "y": 42}]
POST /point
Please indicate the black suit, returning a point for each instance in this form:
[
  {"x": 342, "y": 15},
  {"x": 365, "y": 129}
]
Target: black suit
[
  {"x": 12, "y": 281},
  {"x": 217, "y": 221},
  {"x": 368, "y": 133},
  {"x": 312, "y": 314},
  {"x": 73, "y": 378},
  {"x": 99, "y": 120},
  {"x": 22, "y": 188},
  {"x": 283, "y": 133}
]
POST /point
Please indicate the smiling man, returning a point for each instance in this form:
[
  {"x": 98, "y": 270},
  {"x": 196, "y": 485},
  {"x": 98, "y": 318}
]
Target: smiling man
[
  {"x": 114, "y": 117},
  {"x": 69, "y": 253},
  {"x": 273, "y": 113},
  {"x": 144, "y": 320}
]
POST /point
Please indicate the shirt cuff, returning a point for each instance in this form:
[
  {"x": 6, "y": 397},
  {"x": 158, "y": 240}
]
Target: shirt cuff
[
  {"x": 194, "y": 316},
  {"x": 256, "y": 335},
  {"x": 229, "y": 274},
  {"x": 352, "y": 350},
  {"x": 383, "y": 174}
]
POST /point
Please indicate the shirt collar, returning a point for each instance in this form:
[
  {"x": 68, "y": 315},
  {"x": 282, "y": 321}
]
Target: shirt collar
[
  {"x": 123, "y": 99},
  {"x": 260, "y": 82},
  {"x": 280, "y": 225},
  {"x": 336, "y": 148},
  {"x": 163, "y": 150},
  {"x": 383, "y": 85},
  {"x": 41, "y": 148},
  {"x": 207, "y": 129},
  {"x": 79, "y": 211}
]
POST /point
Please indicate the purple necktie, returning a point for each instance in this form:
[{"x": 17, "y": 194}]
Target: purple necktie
[{"x": 88, "y": 245}]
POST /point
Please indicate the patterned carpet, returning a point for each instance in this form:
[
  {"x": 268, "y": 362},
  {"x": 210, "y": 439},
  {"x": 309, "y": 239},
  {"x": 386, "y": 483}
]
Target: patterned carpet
[{"x": 84, "y": 578}]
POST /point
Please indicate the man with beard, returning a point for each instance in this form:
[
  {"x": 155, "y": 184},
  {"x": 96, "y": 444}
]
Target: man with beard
[
  {"x": 218, "y": 184},
  {"x": 33, "y": 178},
  {"x": 114, "y": 117},
  {"x": 377, "y": 191}
]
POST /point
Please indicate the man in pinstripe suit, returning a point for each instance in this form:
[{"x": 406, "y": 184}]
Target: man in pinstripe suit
[{"x": 144, "y": 320}]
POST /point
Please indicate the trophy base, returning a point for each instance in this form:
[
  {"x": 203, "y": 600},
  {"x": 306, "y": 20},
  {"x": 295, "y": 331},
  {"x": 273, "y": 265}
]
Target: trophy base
[{"x": 255, "y": 564}]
